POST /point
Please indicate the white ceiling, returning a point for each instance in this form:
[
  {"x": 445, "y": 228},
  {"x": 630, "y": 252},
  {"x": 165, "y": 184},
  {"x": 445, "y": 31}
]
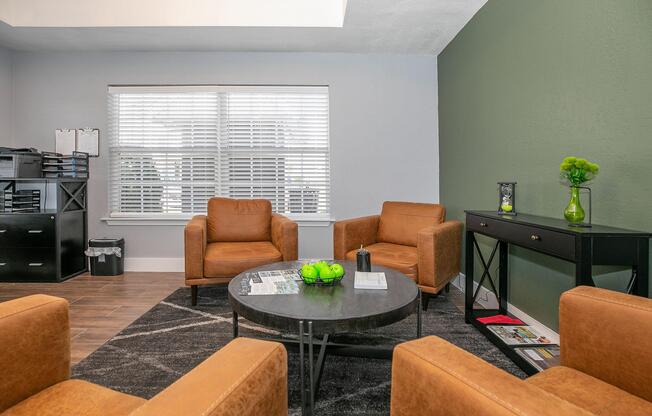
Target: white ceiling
[
  {"x": 166, "y": 13},
  {"x": 370, "y": 26}
]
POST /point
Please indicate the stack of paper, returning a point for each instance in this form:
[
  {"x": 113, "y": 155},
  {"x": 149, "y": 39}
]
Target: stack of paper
[{"x": 370, "y": 280}]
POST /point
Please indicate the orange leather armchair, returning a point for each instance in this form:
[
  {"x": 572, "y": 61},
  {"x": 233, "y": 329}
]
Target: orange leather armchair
[
  {"x": 246, "y": 377},
  {"x": 606, "y": 367},
  {"x": 413, "y": 238},
  {"x": 236, "y": 235}
]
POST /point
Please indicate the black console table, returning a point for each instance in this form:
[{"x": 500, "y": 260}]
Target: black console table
[{"x": 585, "y": 247}]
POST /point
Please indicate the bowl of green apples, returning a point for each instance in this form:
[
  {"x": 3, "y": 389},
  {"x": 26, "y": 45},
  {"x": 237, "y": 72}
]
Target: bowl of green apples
[{"x": 322, "y": 273}]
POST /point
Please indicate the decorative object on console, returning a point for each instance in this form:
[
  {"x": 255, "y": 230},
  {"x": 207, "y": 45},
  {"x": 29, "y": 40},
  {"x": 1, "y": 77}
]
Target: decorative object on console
[
  {"x": 507, "y": 198},
  {"x": 574, "y": 172}
]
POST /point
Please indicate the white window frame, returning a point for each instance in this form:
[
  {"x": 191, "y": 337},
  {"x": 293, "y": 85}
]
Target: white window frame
[{"x": 119, "y": 218}]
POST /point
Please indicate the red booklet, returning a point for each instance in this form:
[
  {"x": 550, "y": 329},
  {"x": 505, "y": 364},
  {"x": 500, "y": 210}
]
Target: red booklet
[{"x": 500, "y": 320}]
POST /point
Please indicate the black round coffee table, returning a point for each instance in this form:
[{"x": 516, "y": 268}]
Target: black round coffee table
[{"x": 326, "y": 310}]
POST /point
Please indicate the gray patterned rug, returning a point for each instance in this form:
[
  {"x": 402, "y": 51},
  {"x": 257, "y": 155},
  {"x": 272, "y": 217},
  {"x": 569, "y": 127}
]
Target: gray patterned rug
[{"x": 173, "y": 337}]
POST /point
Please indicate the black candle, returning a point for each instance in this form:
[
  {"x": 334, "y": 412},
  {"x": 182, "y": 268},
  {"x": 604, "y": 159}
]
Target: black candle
[{"x": 364, "y": 260}]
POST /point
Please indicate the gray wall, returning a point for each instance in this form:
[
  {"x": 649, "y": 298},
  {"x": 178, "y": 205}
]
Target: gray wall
[
  {"x": 528, "y": 82},
  {"x": 5, "y": 98},
  {"x": 383, "y": 122}
]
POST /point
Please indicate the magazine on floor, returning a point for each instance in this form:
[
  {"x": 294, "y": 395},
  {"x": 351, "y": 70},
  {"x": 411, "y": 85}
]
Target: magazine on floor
[
  {"x": 541, "y": 358},
  {"x": 518, "y": 334},
  {"x": 272, "y": 282}
]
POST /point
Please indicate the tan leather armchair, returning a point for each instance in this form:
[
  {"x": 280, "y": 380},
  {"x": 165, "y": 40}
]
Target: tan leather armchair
[
  {"x": 236, "y": 235},
  {"x": 606, "y": 367},
  {"x": 413, "y": 238},
  {"x": 246, "y": 377}
]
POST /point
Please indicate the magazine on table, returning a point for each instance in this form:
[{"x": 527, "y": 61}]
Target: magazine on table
[
  {"x": 518, "y": 334},
  {"x": 272, "y": 282},
  {"x": 370, "y": 280},
  {"x": 541, "y": 358}
]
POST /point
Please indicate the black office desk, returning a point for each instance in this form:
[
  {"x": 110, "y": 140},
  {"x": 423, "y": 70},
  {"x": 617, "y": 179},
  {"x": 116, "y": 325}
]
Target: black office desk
[{"x": 598, "y": 245}]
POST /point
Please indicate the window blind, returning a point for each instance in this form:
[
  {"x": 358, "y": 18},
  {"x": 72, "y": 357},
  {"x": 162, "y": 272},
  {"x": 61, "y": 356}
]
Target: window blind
[{"x": 173, "y": 148}]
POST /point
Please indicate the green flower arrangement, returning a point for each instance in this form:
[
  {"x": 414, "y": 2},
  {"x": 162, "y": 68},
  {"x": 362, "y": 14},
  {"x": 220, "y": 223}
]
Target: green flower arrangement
[{"x": 576, "y": 171}]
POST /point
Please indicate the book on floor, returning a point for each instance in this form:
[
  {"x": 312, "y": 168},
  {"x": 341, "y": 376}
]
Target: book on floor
[
  {"x": 370, "y": 280},
  {"x": 518, "y": 334},
  {"x": 541, "y": 358}
]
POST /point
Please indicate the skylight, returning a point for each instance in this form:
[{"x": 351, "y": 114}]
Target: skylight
[{"x": 173, "y": 13}]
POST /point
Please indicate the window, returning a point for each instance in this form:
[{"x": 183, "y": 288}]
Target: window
[{"x": 173, "y": 148}]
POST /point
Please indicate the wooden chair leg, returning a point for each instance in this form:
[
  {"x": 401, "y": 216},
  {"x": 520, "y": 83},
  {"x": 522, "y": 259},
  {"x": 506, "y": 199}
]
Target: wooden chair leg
[
  {"x": 193, "y": 295},
  {"x": 425, "y": 298}
]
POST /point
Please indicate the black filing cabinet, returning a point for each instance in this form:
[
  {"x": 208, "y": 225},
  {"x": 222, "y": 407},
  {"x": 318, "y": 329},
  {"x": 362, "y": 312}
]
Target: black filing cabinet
[{"x": 48, "y": 245}]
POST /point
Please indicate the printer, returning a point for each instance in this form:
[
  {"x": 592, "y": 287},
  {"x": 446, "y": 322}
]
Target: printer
[{"x": 20, "y": 163}]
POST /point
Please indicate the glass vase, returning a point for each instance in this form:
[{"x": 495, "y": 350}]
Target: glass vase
[{"x": 574, "y": 213}]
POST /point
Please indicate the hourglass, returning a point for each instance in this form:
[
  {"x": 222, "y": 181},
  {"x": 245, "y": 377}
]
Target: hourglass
[{"x": 507, "y": 198}]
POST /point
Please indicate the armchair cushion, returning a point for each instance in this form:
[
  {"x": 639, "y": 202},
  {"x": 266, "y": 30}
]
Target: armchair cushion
[
  {"x": 400, "y": 222},
  {"x": 230, "y": 259},
  {"x": 589, "y": 393},
  {"x": 246, "y": 377},
  {"x": 35, "y": 346},
  {"x": 395, "y": 256},
  {"x": 239, "y": 220},
  {"x": 608, "y": 335},
  {"x": 76, "y": 397},
  {"x": 433, "y": 377}
]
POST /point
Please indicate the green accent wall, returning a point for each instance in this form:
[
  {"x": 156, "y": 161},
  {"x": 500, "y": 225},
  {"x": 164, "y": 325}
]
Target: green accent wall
[{"x": 528, "y": 82}]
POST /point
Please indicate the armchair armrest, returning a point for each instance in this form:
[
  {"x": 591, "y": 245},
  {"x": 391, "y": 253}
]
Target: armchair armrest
[
  {"x": 285, "y": 237},
  {"x": 35, "y": 345},
  {"x": 608, "y": 335},
  {"x": 247, "y": 377},
  {"x": 440, "y": 249},
  {"x": 350, "y": 234},
  {"x": 194, "y": 235},
  {"x": 433, "y": 377}
]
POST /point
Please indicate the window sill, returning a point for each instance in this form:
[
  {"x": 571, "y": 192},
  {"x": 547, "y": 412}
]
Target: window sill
[{"x": 176, "y": 222}]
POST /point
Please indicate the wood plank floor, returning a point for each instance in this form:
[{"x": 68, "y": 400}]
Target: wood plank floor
[{"x": 100, "y": 307}]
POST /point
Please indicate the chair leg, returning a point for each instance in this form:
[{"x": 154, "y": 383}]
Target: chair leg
[
  {"x": 448, "y": 287},
  {"x": 193, "y": 295},
  {"x": 425, "y": 298}
]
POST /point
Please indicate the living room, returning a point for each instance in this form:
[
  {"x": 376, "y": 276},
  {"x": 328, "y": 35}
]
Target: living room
[{"x": 291, "y": 207}]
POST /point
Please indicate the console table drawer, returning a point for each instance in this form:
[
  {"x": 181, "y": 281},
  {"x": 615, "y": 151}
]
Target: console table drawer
[
  {"x": 18, "y": 230},
  {"x": 38, "y": 264},
  {"x": 540, "y": 239}
]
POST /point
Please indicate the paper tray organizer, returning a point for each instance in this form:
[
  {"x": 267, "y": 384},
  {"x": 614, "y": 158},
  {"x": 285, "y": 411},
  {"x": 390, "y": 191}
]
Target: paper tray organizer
[{"x": 56, "y": 165}]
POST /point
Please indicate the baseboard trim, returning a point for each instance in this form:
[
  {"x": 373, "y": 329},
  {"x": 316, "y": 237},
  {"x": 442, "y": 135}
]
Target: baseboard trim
[
  {"x": 487, "y": 299},
  {"x": 154, "y": 264}
]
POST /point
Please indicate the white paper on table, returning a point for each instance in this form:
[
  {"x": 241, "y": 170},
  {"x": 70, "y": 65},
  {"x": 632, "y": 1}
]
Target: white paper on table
[{"x": 370, "y": 280}]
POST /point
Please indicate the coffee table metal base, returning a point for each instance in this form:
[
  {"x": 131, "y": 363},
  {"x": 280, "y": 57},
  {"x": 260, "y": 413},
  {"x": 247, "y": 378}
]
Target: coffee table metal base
[{"x": 310, "y": 391}]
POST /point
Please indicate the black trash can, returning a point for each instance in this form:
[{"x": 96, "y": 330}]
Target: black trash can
[{"x": 106, "y": 256}]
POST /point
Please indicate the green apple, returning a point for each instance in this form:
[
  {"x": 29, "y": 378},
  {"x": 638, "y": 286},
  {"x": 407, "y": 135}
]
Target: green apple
[
  {"x": 337, "y": 269},
  {"x": 321, "y": 264},
  {"x": 506, "y": 207},
  {"x": 326, "y": 274},
  {"x": 309, "y": 273}
]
